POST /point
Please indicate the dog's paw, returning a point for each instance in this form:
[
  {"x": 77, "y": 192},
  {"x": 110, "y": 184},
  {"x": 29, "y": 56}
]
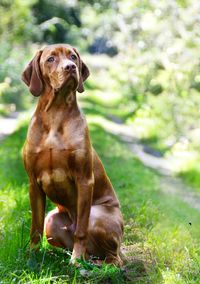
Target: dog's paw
[
  {"x": 78, "y": 257},
  {"x": 75, "y": 262}
]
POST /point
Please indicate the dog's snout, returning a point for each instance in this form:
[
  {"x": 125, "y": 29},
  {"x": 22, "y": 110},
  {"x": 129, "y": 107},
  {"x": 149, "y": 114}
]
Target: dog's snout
[{"x": 70, "y": 67}]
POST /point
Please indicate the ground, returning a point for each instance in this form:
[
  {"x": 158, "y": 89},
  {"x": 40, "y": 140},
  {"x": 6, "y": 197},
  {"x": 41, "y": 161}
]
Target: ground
[{"x": 161, "y": 240}]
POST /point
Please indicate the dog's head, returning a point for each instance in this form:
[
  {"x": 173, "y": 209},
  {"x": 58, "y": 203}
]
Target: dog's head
[{"x": 59, "y": 66}]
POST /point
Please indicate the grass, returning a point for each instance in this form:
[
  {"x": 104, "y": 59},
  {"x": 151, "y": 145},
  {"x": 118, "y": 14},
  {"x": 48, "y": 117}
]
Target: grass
[{"x": 161, "y": 238}]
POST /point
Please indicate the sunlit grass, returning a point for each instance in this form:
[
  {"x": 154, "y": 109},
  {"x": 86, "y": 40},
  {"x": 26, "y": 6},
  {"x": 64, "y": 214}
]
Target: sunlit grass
[{"x": 161, "y": 238}]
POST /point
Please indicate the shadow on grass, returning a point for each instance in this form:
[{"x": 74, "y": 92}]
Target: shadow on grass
[
  {"x": 97, "y": 107},
  {"x": 52, "y": 263},
  {"x": 153, "y": 146}
]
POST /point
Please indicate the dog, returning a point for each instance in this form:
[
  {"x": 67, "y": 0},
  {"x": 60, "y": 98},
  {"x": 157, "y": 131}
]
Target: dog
[{"x": 62, "y": 164}]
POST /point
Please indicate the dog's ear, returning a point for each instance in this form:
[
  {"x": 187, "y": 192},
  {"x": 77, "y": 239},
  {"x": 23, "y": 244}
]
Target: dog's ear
[
  {"x": 32, "y": 75},
  {"x": 83, "y": 72}
]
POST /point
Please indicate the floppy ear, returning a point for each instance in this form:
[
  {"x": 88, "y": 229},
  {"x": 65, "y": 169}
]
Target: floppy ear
[
  {"x": 83, "y": 72},
  {"x": 32, "y": 75}
]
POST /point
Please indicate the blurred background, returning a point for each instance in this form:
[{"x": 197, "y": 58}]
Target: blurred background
[
  {"x": 144, "y": 87},
  {"x": 144, "y": 59}
]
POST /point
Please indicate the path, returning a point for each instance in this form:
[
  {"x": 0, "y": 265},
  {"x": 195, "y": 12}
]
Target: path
[
  {"x": 8, "y": 124},
  {"x": 168, "y": 182}
]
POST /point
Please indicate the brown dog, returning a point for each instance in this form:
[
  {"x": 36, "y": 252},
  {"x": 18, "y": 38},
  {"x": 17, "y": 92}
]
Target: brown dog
[{"x": 62, "y": 164}]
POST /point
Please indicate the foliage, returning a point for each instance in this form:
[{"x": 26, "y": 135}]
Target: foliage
[
  {"x": 157, "y": 73},
  {"x": 157, "y": 68},
  {"x": 58, "y": 21},
  {"x": 17, "y": 22},
  {"x": 17, "y": 27}
]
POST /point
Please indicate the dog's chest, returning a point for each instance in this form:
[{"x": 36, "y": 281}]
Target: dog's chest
[
  {"x": 54, "y": 140},
  {"x": 52, "y": 157},
  {"x": 58, "y": 186},
  {"x": 58, "y": 136},
  {"x": 53, "y": 172}
]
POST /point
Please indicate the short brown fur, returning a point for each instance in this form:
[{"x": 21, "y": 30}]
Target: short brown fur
[{"x": 62, "y": 164}]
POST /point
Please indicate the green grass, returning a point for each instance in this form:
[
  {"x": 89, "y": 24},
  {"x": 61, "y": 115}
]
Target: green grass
[
  {"x": 192, "y": 176},
  {"x": 160, "y": 244}
]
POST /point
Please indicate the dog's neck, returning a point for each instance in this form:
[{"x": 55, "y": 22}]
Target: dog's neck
[
  {"x": 56, "y": 109},
  {"x": 51, "y": 100}
]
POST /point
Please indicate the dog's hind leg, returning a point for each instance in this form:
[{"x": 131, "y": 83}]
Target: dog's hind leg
[{"x": 59, "y": 229}]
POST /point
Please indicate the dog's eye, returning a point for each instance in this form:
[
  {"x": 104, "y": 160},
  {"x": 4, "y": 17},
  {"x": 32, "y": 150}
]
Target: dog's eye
[
  {"x": 73, "y": 57},
  {"x": 50, "y": 59}
]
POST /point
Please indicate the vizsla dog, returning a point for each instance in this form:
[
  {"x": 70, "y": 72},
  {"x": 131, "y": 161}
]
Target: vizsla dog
[{"x": 61, "y": 163}]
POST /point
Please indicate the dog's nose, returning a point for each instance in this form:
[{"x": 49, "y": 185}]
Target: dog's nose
[{"x": 70, "y": 67}]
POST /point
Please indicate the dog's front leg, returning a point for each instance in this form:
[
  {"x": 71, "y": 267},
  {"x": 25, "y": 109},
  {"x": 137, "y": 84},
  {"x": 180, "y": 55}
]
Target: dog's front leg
[
  {"x": 37, "y": 201},
  {"x": 85, "y": 191}
]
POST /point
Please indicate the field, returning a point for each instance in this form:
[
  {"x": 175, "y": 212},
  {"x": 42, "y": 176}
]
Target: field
[{"x": 161, "y": 240}]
